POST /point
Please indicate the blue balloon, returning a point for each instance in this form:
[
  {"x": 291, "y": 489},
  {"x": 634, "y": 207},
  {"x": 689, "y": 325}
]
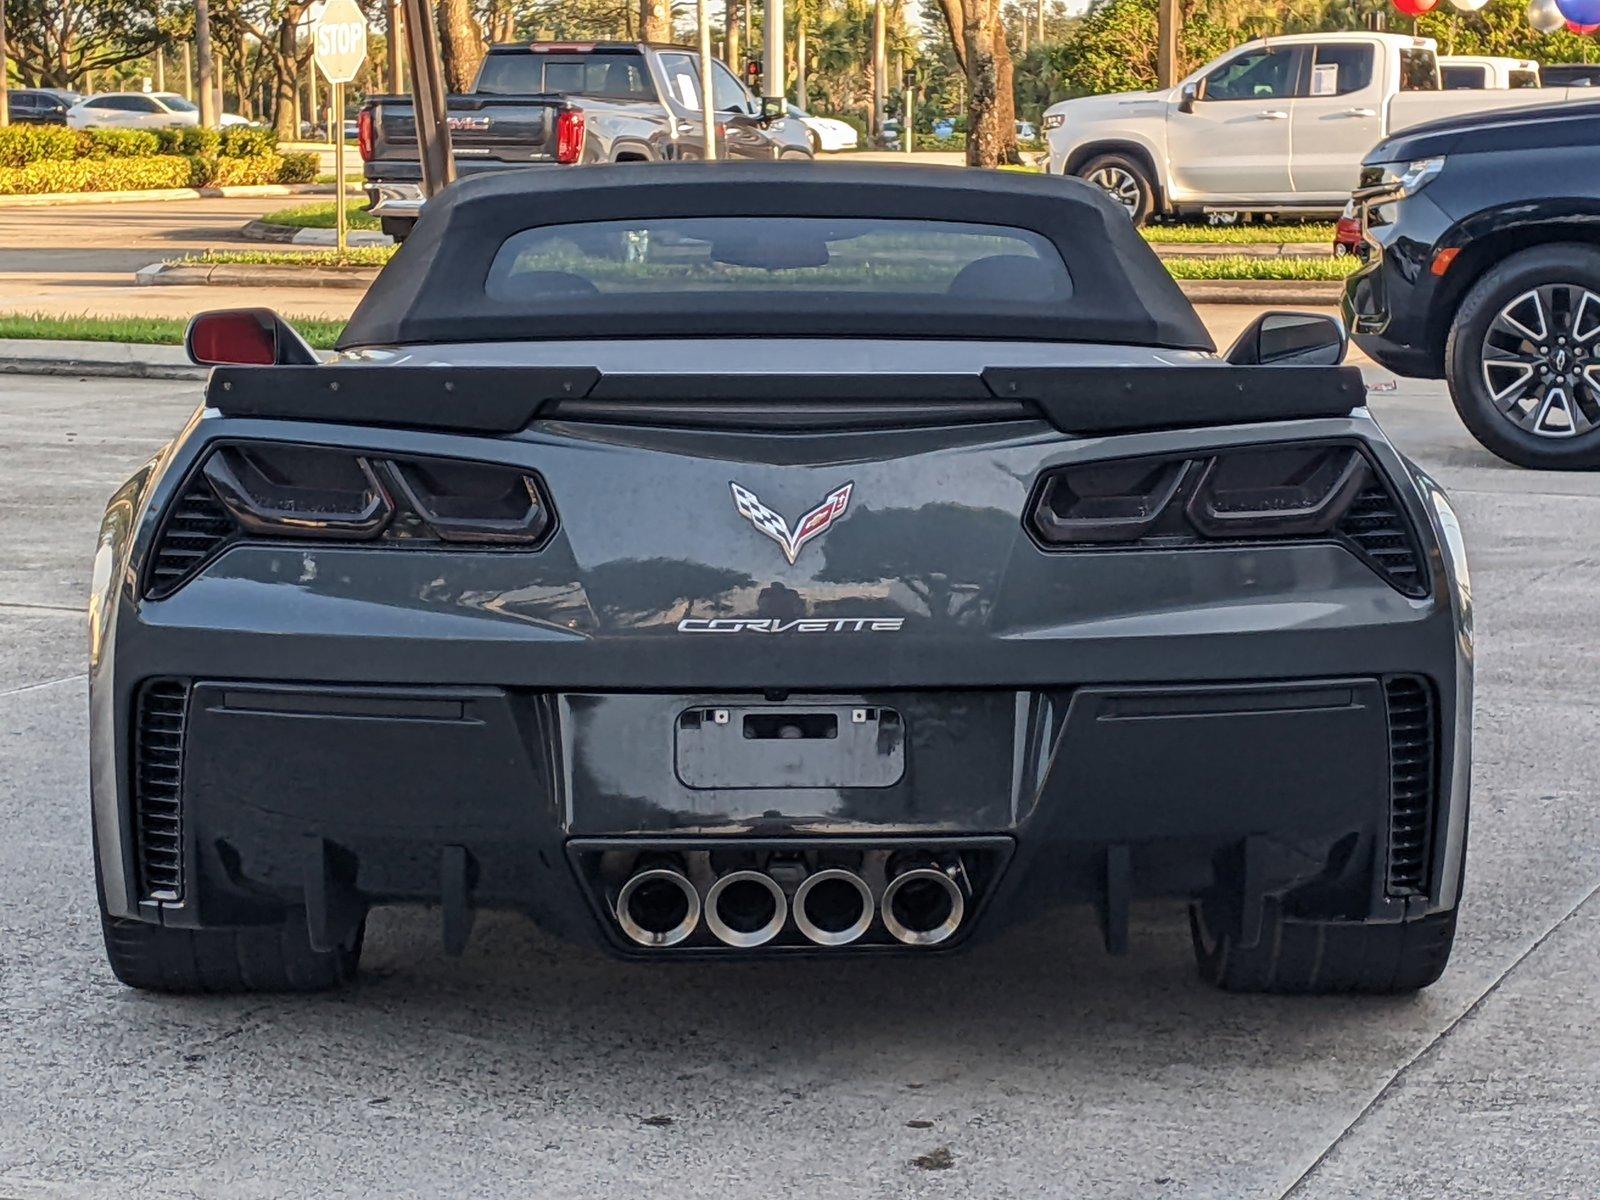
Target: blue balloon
[{"x": 1580, "y": 12}]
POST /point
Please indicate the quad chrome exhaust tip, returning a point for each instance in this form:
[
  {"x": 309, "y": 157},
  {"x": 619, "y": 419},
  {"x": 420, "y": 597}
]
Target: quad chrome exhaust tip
[
  {"x": 658, "y": 906},
  {"x": 745, "y": 909},
  {"x": 923, "y": 906},
  {"x": 833, "y": 907}
]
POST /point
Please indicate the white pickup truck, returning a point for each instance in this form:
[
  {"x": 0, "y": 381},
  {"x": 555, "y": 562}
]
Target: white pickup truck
[{"x": 1277, "y": 125}]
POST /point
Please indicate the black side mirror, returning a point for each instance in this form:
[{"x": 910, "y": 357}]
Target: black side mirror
[
  {"x": 1290, "y": 339},
  {"x": 1187, "y": 97}
]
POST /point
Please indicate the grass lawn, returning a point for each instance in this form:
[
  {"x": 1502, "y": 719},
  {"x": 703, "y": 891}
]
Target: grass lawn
[
  {"x": 356, "y": 256},
  {"x": 145, "y": 331},
  {"x": 1242, "y": 235},
  {"x": 1244, "y": 267},
  {"x": 320, "y": 216}
]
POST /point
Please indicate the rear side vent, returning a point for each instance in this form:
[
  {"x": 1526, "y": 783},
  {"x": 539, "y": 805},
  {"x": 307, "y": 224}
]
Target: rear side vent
[
  {"x": 1413, "y": 771},
  {"x": 158, "y": 788},
  {"x": 195, "y": 530},
  {"x": 1378, "y": 531}
]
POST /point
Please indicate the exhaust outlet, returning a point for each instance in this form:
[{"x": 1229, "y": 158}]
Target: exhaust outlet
[
  {"x": 658, "y": 907},
  {"x": 833, "y": 907},
  {"x": 923, "y": 905},
  {"x": 745, "y": 909}
]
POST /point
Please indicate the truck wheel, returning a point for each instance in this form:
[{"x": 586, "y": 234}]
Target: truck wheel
[
  {"x": 1323, "y": 957},
  {"x": 399, "y": 228},
  {"x": 279, "y": 958},
  {"x": 1523, "y": 358},
  {"x": 1126, "y": 180}
]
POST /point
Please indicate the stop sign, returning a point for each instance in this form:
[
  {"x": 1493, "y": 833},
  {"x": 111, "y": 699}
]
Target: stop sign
[{"x": 340, "y": 38}]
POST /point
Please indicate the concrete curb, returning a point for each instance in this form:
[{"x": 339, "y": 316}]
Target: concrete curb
[
  {"x": 1270, "y": 292},
  {"x": 24, "y": 356},
  {"x": 230, "y": 275},
  {"x": 1253, "y": 250},
  {"x": 261, "y": 231},
  {"x": 51, "y": 199}
]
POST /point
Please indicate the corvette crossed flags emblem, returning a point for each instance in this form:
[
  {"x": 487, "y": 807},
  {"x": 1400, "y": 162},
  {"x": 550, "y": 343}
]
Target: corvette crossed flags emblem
[{"x": 812, "y": 525}]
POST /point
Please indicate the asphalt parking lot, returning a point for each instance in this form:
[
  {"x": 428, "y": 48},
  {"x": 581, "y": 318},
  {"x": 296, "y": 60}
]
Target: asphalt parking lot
[{"x": 1032, "y": 1067}]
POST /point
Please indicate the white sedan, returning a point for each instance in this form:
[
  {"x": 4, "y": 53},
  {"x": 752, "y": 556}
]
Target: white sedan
[
  {"x": 139, "y": 110},
  {"x": 827, "y": 133}
]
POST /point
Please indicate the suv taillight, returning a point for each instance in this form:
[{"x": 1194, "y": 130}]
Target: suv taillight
[
  {"x": 364, "y": 134},
  {"x": 569, "y": 136}
]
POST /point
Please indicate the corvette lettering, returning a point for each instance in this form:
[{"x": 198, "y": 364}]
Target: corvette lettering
[{"x": 799, "y": 625}]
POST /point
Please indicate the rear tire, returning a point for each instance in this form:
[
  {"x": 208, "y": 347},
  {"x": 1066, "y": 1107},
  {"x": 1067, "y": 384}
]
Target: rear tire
[
  {"x": 1486, "y": 326},
  {"x": 279, "y": 958},
  {"x": 1126, "y": 180},
  {"x": 1304, "y": 957},
  {"x": 399, "y": 228}
]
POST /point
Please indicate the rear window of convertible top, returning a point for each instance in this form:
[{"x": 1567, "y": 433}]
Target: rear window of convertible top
[{"x": 702, "y": 258}]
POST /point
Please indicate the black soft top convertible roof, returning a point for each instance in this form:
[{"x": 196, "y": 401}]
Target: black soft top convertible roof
[{"x": 433, "y": 289}]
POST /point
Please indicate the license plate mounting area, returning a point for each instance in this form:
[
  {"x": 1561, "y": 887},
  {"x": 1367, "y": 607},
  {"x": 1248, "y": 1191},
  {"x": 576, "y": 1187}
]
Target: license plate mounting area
[{"x": 790, "y": 746}]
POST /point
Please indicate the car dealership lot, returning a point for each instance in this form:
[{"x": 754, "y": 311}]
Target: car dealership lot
[{"x": 1038, "y": 1064}]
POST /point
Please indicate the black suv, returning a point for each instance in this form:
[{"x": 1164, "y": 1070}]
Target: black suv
[
  {"x": 1484, "y": 268},
  {"x": 40, "y": 106}
]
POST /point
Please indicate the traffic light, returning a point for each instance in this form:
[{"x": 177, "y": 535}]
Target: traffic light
[
  {"x": 752, "y": 75},
  {"x": 909, "y": 79}
]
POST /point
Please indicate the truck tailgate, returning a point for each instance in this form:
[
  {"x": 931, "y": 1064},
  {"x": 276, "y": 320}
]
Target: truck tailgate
[{"x": 509, "y": 129}]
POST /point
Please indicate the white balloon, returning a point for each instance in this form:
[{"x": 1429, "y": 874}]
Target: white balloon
[
  {"x": 1468, "y": 5},
  {"x": 1545, "y": 17}
]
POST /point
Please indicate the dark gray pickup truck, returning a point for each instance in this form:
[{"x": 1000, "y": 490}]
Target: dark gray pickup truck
[{"x": 558, "y": 103}]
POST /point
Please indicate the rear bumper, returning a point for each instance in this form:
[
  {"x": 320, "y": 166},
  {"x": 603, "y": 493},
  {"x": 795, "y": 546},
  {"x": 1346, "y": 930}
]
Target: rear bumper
[
  {"x": 291, "y": 793},
  {"x": 395, "y": 199}
]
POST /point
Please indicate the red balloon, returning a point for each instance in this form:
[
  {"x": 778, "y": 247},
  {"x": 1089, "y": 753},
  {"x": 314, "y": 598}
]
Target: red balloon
[
  {"x": 1415, "y": 8},
  {"x": 1585, "y": 30}
]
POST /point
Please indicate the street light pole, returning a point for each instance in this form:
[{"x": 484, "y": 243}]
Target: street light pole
[
  {"x": 880, "y": 70},
  {"x": 203, "y": 65},
  {"x": 5, "y": 71},
  {"x": 775, "y": 84},
  {"x": 708, "y": 108}
]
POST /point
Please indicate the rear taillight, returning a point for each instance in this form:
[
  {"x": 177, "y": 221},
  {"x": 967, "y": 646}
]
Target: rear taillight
[
  {"x": 364, "y": 134},
  {"x": 277, "y": 491},
  {"x": 569, "y": 136},
  {"x": 1305, "y": 492}
]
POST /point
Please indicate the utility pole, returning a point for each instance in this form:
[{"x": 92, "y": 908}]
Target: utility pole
[
  {"x": 392, "y": 22},
  {"x": 428, "y": 99},
  {"x": 800, "y": 96},
  {"x": 1169, "y": 22},
  {"x": 5, "y": 71},
  {"x": 708, "y": 109},
  {"x": 161, "y": 67},
  {"x": 774, "y": 83},
  {"x": 188, "y": 73},
  {"x": 1038, "y": 29},
  {"x": 880, "y": 68},
  {"x": 203, "y": 64}
]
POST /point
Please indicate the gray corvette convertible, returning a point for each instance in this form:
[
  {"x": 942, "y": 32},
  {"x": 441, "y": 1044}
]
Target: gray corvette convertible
[{"x": 720, "y": 560}]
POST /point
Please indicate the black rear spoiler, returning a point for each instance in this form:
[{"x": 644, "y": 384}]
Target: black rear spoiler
[{"x": 1083, "y": 400}]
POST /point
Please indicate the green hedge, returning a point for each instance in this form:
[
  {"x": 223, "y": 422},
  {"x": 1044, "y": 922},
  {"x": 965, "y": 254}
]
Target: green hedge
[
  {"x": 21, "y": 145},
  {"x": 96, "y": 175},
  {"x": 116, "y": 174}
]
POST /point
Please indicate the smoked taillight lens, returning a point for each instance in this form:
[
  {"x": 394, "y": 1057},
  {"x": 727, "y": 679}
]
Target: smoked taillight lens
[
  {"x": 1316, "y": 491},
  {"x": 569, "y": 136}
]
